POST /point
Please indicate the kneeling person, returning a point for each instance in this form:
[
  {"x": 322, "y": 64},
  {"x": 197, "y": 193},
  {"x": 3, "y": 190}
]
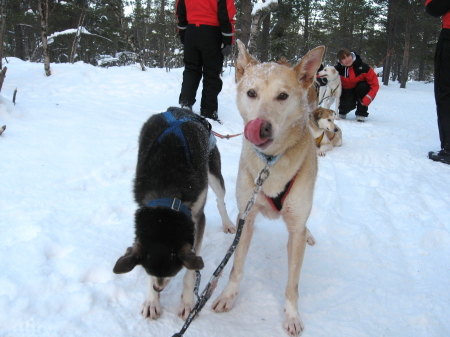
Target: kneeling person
[{"x": 359, "y": 84}]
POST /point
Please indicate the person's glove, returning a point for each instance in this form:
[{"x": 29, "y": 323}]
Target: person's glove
[
  {"x": 226, "y": 50},
  {"x": 182, "y": 32},
  {"x": 366, "y": 100}
]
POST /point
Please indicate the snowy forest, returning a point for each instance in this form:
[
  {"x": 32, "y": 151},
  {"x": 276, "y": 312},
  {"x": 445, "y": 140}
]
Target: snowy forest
[{"x": 394, "y": 34}]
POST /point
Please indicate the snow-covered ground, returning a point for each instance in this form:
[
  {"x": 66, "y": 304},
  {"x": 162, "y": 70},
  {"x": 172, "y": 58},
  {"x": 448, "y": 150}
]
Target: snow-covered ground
[{"x": 381, "y": 216}]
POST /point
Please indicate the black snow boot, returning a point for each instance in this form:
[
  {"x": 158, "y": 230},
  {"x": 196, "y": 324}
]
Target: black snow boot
[{"x": 442, "y": 156}]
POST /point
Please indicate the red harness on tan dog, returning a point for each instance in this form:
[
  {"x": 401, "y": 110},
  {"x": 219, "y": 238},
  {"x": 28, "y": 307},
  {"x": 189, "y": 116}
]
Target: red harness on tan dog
[{"x": 277, "y": 202}]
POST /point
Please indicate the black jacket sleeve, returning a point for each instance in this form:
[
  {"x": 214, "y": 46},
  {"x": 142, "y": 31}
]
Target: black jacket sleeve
[
  {"x": 226, "y": 25},
  {"x": 438, "y": 8}
]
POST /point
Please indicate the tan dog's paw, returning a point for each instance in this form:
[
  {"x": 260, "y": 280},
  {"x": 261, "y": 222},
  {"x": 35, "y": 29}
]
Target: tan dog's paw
[
  {"x": 151, "y": 309},
  {"x": 229, "y": 228},
  {"x": 224, "y": 303},
  {"x": 293, "y": 325},
  {"x": 310, "y": 239}
]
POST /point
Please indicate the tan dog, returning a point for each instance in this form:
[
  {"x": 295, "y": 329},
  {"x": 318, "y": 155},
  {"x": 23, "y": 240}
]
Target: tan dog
[
  {"x": 272, "y": 100},
  {"x": 325, "y": 131},
  {"x": 330, "y": 93}
]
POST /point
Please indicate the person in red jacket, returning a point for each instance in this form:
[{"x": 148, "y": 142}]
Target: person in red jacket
[
  {"x": 438, "y": 8},
  {"x": 359, "y": 84},
  {"x": 206, "y": 29}
]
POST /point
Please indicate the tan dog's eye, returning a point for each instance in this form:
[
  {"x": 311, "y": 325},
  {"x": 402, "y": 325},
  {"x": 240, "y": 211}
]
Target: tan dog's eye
[
  {"x": 251, "y": 93},
  {"x": 282, "y": 96}
]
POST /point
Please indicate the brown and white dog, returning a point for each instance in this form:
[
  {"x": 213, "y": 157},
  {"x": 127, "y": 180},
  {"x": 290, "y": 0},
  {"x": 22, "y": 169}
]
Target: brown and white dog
[
  {"x": 330, "y": 93},
  {"x": 273, "y": 102},
  {"x": 326, "y": 133}
]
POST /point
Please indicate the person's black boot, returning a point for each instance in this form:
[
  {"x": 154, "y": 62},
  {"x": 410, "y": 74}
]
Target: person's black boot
[
  {"x": 442, "y": 156},
  {"x": 211, "y": 115}
]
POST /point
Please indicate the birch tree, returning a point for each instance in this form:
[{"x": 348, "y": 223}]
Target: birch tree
[
  {"x": 260, "y": 11},
  {"x": 2, "y": 30},
  {"x": 43, "y": 13}
]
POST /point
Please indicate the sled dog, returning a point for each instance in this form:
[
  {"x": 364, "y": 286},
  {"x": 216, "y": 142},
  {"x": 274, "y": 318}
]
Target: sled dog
[
  {"x": 177, "y": 159},
  {"x": 332, "y": 91},
  {"x": 273, "y": 102},
  {"x": 326, "y": 133}
]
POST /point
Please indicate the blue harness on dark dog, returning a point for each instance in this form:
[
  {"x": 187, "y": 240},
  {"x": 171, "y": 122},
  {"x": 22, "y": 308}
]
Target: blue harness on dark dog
[{"x": 175, "y": 128}]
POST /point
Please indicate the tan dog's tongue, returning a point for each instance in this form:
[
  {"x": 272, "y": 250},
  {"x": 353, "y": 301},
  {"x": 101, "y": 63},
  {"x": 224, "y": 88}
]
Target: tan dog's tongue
[{"x": 252, "y": 131}]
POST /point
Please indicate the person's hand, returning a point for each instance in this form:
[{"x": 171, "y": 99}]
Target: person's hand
[
  {"x": 366, "y": 100},
  {"x": 226, "y": 50}
]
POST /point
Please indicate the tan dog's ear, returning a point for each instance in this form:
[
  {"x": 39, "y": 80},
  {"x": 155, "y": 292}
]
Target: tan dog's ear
[
  {"x": 306, "y": 69},
  {"x": 244, "y": 59},
  {"x": 129, "y": 260},
  {"x": 317, "y": 114}
]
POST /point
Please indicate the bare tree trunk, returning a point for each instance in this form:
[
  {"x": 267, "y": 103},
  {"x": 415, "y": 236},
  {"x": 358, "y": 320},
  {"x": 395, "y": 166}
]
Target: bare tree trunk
[
  {"x": 265, "y": 39},
  {"x": 246, "y": 21},
  {"x": 405, "y": 65},
  {"x": 392, "y": 8},
  {"x": 257, "y": 21},
  {"x": 423, "y": 58},
  {"x": 130, "y": 39},
  {"x": 2, "y": 31},
  {"x": 162, "y": 35},
  {"x": 2, "y": 77},
  {"x": 43, "y": 12},
  {"x": 307, "y": 11},
  {"x": 76, "y": 40},
  {"x": 20, "y": 48}
]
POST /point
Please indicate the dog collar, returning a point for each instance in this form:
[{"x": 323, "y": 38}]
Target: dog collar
[
  {"x": 172, "y": 203},
  {"x": 270, "y": 160}
]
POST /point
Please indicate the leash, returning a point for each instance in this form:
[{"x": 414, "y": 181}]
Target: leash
[
  {"x": 332, "y": 92},
  {"x": 225, "y": 136},
  {"x": 207, "y": 292}
]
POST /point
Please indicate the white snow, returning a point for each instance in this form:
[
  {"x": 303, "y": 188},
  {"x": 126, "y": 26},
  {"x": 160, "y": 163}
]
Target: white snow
[
  {"x": 381, "y": 216},
  {"x": 262, "y": 5}
]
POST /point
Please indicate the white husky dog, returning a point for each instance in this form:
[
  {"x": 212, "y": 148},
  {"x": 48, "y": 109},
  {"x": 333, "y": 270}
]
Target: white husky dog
[{"x": 332, "y": 91}]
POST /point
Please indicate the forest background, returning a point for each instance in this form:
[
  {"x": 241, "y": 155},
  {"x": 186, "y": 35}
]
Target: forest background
[{"x": 394, "y": 34}]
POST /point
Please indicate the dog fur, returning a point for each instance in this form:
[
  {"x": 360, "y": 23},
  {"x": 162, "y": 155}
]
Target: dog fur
[
  {"x": 326, "y": 133},
  {"x": 332, "y": 91},
  {"x": 167, "y": 239},
  {"x": 273, "y": 99}
]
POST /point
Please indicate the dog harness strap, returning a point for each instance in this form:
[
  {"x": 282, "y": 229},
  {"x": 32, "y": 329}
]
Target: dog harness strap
[
  {"x": 172, "y": 203},
  {"x": 278, "y": 201},
  {"x": 319, "y": 139},
  {"x": 175, "y": 127}
]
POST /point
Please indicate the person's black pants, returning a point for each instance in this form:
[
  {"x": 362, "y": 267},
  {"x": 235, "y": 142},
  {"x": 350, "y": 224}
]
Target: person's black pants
[
  {"x": 442, "y": 87},
  {"x": 351, "y": 98},
  {"x": 202, "y": 58}
]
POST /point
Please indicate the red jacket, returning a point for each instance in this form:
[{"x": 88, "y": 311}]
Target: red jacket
[
  {"x": 208, "y": 12},
  {"x": 439, "y": 8},
  {"x": 359, "y": 71}
]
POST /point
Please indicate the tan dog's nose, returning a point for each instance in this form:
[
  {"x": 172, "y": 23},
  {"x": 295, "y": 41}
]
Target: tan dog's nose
[{"x": 258, "y": 131}]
